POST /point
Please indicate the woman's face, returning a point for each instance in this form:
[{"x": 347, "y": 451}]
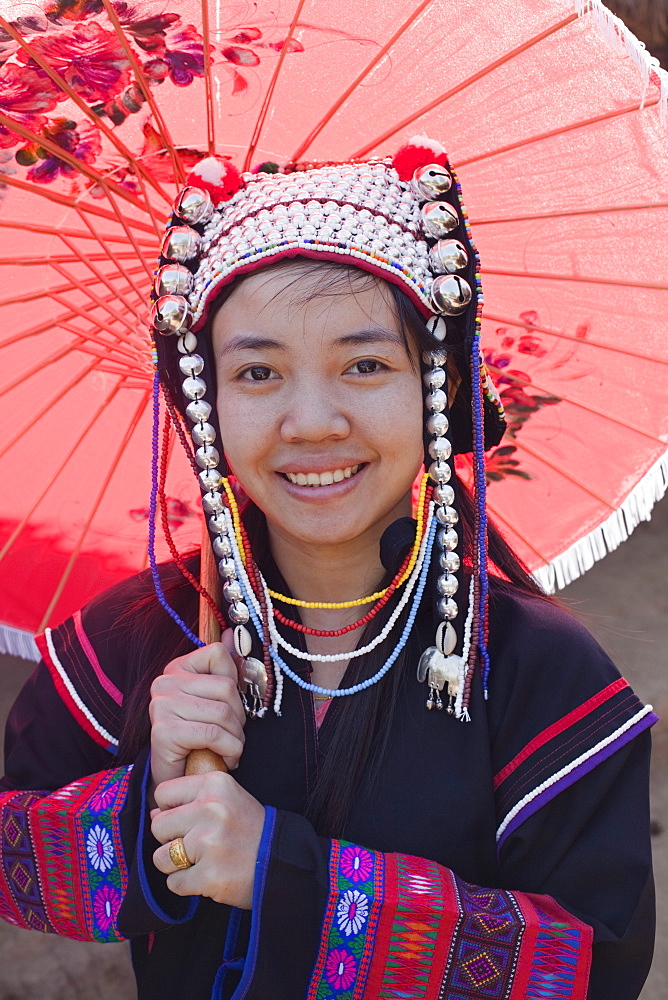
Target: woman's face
[{"x": 320, "y": 404}]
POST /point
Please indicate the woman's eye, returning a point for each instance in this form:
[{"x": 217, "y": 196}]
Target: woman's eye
[
  {"x": 368, "y": 366},
  {"x": 258, "y": 373}
]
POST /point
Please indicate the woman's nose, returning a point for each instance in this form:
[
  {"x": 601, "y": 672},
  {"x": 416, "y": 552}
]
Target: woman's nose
[{"x": 312, "y": 413}]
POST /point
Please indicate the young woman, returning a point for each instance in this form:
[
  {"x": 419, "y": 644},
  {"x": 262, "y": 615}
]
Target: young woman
[{"x": 438, "y": 781}]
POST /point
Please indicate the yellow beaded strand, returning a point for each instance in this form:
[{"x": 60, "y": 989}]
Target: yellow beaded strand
[
  {"x": 236, "y": 520},
  {"x": 335, "y": 605}
]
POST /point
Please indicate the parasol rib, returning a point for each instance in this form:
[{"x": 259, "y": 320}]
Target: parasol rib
[
  {"x": 118, "y": 343},
  {"x": 142, "y": 82},
  {"x": 562, "y": 130},
  {"x": 94, "y": 299},
  {"x": 44, "y": 293},
  {"x": 62, "y": 258},
  {"x": 62, "y": 154},
  {"x": 63, "y": 85},
  {"x": 49, "y": 404},
  {"x": 327, "y": 117},
  {"x": 53, "y": 479},
  {"x": 98, "y": 500},
  {"x": 259, "y": 124},
  {"x": 208, "y": 83},
  {"x": 130, "y": 235},
  {"x": 60, "y": 320},
  {"x": 118, "y": 351},
  {"x": 485, "y": 71},
  {"x": 573, "y": 402},
  {"x": 546, "y": 276},
  {"x": 61, "y": 199},
  {"x": 569, "y": 213},
  {"x": 560, "y": 470},
  {"x": 497, "y": 517},
  {"x": 102, "y": 278},
  {"x": 141, "y": 295},
  {"x": 75, "y": 234},
  {"x": 584, "y": 341}
]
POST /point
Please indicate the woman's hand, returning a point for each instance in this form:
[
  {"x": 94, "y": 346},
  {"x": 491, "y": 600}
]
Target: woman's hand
[
  {"x": 221, "y": 826},
  {"x": 195, "y": 705}
]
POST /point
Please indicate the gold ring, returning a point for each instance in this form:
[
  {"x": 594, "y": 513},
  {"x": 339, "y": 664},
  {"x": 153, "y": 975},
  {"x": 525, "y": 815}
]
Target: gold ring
[{"x": 177, "y": 854}]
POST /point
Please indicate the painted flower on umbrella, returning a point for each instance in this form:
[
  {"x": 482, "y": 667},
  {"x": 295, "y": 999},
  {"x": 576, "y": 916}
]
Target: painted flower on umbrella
[
  {"x": 90, "y": 59},
  {"x": 352, "y": 912},
  {"x": 340, "y": 969},
  {"x": 100, "y": 848},
  {"x": 24, "y": 97},
  {"x": 356, "y": 863},
  {"x": 80, "y": 141},
  {"x": 106, "y": 904}
]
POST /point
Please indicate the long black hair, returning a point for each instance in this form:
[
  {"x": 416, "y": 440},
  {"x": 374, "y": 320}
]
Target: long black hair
[{"x": 367, "y": 715}]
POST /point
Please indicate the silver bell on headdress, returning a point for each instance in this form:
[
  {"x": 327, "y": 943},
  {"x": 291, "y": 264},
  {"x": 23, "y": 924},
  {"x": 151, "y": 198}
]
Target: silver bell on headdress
[
  {"x": 193, "y": 205},
  {"x": 447, "y": 257},
  {"x": 170, "y": 314},
  {"x": 431, "y": 181},
  {"x": 173, "y": 279},
  {"x": 180, "y": 244},
  {"x": 451, "y": 294},
  {"x": 439, "y": 218}
]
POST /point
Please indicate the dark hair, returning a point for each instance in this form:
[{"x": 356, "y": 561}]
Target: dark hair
[{"x": 344, "y": 761}]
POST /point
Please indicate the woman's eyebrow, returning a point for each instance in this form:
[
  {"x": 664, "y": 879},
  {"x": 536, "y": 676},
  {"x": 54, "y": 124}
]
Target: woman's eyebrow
[
  {"x": 249, "y": 342},
  {"x": 374, "y": 335}
]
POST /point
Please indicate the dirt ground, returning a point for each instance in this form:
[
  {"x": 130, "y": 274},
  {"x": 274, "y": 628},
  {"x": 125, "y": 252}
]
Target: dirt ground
[{"x": 623, "y": 601}]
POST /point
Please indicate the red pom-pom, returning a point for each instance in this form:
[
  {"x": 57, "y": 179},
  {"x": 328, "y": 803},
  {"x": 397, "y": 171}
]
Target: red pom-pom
[
  {"x": 418, "y": 152},
  {"x": 218, "y": 176}
]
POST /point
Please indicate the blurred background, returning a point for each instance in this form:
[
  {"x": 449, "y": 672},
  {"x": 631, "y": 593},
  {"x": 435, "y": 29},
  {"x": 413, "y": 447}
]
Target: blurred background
[{"x": 623, "y": 601}]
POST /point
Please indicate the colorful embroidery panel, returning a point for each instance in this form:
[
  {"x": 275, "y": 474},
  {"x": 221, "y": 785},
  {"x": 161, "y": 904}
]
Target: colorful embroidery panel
[
  {"x": 62, "y": 866},
  {"x": 402, "y": 927}
]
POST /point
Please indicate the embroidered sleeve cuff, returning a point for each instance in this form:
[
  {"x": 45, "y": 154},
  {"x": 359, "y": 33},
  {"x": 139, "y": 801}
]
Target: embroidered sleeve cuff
[
  {"x": 63, "y": 868},
  {"x": 395, "y": 923}
]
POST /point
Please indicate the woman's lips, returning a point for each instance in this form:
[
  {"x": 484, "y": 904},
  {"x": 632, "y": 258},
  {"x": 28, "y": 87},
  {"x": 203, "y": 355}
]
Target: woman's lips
[
  {"x": 323, "y": 488},
  {"x": 317, "y": 479}
]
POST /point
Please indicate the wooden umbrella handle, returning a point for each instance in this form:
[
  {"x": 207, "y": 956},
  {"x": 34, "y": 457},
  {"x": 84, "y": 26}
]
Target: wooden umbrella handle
[{"x": 202, "y": 761}]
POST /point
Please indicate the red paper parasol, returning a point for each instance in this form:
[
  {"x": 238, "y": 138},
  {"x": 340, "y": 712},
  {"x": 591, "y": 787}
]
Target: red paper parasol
[{"x": 555, "y": 118}]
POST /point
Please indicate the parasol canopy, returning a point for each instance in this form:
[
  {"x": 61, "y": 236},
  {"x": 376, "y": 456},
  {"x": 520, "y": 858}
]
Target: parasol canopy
[{"x": 554, "y": 116}]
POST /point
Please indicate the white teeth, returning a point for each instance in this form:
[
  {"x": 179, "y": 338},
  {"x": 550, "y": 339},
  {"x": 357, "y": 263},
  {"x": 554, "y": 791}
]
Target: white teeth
[{"x": 322, "y": 478}]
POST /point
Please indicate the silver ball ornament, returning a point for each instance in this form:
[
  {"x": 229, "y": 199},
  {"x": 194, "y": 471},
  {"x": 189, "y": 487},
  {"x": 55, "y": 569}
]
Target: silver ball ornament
[
  {"x": 448, "y": 257},
  {"x": 444, "y": 493},
  {"x": 199, "y": 410},
  {"x": 238, "y": 613},
  {"x": 449, "y": 561},
  {"x": 222, "y": 547},
  {"x": 170, "y": 314},
  {"x": 451, "y": 294},
  {"x": 438, "y": 424},
  {"x": 431, "y": 181},
  {"x": 447, "y": 539},
  {"x": 194, "y": 387},
  {"x": 210, "y": 479},
  {"x": 447, "y": 608},
  {"x": 203, "y": 434},
  {"x": 232, "y": 591},
  {"x": 191, "y": 364},
  {"x": 180, "y": 243},
  {"x": 193, "y": 205},
  {"x": 440, "y": 471},
  {"x": 207, "y": 457},
  {"x": 447, "y": 585},
  {"x": 213, "y": 502},
  {"x": 440, "y": 448},
  {"x": 173, "y": 279},
  {"x": 434, "y": 379},
  {"x": 439, "y": 218}
]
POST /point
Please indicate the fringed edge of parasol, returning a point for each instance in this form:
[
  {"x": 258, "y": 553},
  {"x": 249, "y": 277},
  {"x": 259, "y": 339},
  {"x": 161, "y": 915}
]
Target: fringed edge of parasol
[
  {"x": 582, "y": 555},
  {"x": 621, "y": 38},
  {"x": 16, "y": 642}
]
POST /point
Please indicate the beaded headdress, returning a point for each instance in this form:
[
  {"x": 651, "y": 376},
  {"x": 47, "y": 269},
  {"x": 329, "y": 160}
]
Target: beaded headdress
[{"x": 401, "y": 218}]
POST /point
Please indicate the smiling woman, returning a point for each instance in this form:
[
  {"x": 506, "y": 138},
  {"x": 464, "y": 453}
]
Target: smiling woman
[{"x": 321, "y": 348}]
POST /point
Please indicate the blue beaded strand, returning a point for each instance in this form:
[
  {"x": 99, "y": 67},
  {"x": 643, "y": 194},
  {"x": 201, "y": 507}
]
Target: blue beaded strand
[
  {"x": 155, "y": 457},
  {"x": 341, "y": 692},
  {"x": 481, "y": 504}
]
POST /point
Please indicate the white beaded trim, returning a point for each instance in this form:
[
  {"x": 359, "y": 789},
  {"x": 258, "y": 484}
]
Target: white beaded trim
[
  {"x": 523, "y": 803},
  {"x": 72, "y": 692}
]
